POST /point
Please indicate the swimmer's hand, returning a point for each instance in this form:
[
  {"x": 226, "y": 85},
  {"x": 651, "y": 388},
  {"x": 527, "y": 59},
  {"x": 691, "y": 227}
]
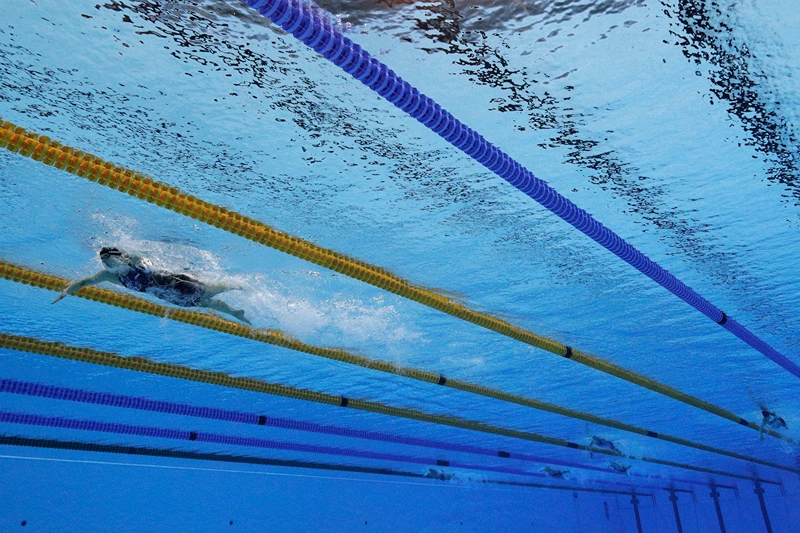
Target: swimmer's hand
[{"x": 75, "y": 286}]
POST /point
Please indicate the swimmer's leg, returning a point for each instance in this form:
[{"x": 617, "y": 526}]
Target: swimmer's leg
[
  {"x": 212, "y": 290},
  {"x": 222, "y": 307}
]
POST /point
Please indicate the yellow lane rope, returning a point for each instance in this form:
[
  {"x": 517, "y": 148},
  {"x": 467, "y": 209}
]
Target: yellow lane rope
[
  {"x": 38, "y": 279},
  {"x": 82, "y": 164},
  {"x": 142, "y": 364}
]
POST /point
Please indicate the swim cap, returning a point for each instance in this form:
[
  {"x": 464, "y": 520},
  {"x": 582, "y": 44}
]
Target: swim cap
[{"x": 107, "y": 251}]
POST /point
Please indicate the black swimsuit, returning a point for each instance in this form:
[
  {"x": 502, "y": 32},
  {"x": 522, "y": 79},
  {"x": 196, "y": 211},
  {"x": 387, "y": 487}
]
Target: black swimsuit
[{"x": 178, "y": 289}]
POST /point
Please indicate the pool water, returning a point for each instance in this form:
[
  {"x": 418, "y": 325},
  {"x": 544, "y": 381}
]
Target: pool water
[{"x": 673, "y": 123}]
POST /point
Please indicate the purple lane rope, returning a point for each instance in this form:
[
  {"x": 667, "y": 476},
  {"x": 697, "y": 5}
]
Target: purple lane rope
[
  {"x": 214, "y": 413},
  {"x": 233, "y": 440},
  {"x": 311, "y": 26}
]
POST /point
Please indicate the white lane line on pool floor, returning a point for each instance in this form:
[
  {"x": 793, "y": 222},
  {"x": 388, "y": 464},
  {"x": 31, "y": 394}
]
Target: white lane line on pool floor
[{"x": 172, "y": 467}]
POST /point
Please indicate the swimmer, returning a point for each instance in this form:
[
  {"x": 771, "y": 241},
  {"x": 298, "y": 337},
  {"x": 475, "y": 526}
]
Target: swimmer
[
  {"x": 622, "y": 469},
  {"x": 554, "y": 472},
  {"x": 599, "y": 443},
  {"x": 435, "y": 473},
  {"x": 769, "y": 419},
  {"x": 136, "y": 274}
]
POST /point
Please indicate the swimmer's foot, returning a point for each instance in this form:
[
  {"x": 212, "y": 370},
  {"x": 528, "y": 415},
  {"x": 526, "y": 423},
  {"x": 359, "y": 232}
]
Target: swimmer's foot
[
  {"x": 222, "y": 307},
  {"x": 240, "y": 316}
]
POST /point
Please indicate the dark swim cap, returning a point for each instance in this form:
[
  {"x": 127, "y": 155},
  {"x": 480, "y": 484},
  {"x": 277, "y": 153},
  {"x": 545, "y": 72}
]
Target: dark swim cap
[{"x": 106, "y": 252}]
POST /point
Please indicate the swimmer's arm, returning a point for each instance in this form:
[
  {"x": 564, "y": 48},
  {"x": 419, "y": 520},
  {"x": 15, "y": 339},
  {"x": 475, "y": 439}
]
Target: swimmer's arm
[{"x": 103, "y": 275}]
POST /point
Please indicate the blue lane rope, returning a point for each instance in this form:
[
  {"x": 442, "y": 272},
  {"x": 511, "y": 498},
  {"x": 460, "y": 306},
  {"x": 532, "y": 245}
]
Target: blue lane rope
[
  {"x": 8, "y": 440},
  {"x": 40, "y": 390},
  {"x": 81, "y": 446},
  {"x": 311, "y": 26},
  {"x": 234, "y": 440},
  {"x": 216, "y": 438}
]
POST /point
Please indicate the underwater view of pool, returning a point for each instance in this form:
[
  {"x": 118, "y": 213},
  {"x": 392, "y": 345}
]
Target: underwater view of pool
[{"x": 399, "y": 265}]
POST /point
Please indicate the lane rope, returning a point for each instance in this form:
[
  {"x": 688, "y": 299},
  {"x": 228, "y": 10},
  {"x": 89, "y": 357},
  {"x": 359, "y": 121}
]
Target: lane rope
[
  {"x": 142, "y": 364},
  {"x": 214, "y": 413},
  {"x": 8, "y": 440},
  {"x": 9, "y": 417},
  {"x": 312, "y": 27},
  {"x": 38, "y": 279},
  {"x": 41, "y": 148}
]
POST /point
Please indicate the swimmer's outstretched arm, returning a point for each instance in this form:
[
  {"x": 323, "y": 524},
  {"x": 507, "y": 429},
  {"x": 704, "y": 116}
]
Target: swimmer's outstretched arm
[{"x": 103, "y": 275}]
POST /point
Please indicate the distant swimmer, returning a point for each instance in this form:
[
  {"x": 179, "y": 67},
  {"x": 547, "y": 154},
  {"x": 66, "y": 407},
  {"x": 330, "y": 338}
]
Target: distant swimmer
[
  {"x": 769, "y": 419},
  {"x": 554, "y": 472},
  {"x": 622, "y": 469},
  {"x": 435, "y": 473},
  {"x": 135, "y": 273},
  {"x": 599, "y": 443}
]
